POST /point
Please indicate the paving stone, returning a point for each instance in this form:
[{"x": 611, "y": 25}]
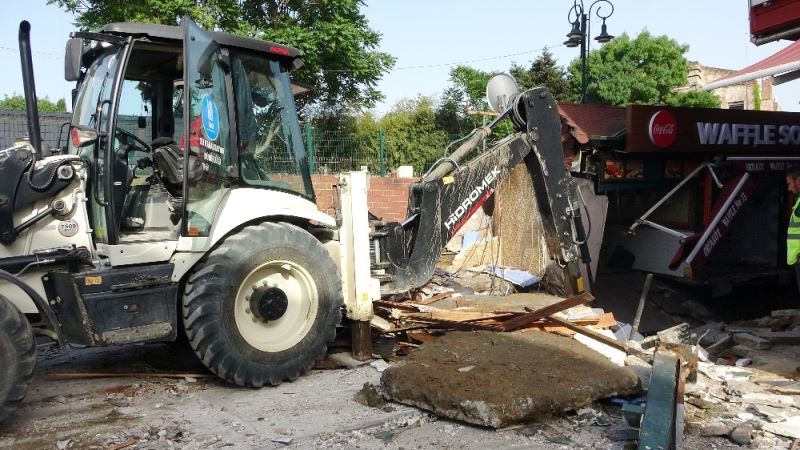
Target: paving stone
[{"x": 751, "y": 340}]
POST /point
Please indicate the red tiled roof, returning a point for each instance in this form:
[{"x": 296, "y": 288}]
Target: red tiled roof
[
  {"x": 595, "y": 120},
  {"x": 784, "y": 60}
]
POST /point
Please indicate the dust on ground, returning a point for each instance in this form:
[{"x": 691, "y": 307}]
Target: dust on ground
[{"x": 318, "y": 410}]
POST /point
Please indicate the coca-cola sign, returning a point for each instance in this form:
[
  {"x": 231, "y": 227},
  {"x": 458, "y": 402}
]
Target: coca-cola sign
[{"x": 663, "y": 129}]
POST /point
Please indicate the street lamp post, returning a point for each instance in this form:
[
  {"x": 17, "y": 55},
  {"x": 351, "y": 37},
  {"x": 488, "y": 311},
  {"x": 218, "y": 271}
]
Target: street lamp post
[{"x": 580, "y": 18}]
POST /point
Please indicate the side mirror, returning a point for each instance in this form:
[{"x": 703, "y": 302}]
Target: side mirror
[
  {"x": 83, "y": 136},
  {"x": 141, "y": 122},
  {"x": 72, "y": 59}
]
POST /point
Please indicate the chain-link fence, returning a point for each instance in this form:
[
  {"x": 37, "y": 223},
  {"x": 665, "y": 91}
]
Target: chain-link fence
[
  {"x": 14, "y": 125},
  {"x": 341, "y": 151},
  {"x": 329, "y": 152}
]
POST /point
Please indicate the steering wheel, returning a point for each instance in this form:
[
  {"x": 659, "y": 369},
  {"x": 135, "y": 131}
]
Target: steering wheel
[{"x": 124, "y": 135}]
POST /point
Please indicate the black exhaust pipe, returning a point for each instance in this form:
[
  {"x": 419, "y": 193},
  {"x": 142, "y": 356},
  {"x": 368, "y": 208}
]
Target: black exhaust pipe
[{"x": 29, "y": 86}]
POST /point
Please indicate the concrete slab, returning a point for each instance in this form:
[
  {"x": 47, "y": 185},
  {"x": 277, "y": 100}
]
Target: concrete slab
[{"x": 515, "y": 377}]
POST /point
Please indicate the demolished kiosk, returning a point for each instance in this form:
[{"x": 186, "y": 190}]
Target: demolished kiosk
[{"x": 694, "y": 193}]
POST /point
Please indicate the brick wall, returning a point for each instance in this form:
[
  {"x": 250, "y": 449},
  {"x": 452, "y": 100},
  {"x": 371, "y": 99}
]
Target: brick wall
[{"x": 387, "y": 197}]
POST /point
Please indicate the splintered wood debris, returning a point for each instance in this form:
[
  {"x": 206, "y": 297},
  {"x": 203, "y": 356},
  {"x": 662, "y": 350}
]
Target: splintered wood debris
[{"x": 418, "y": 320}]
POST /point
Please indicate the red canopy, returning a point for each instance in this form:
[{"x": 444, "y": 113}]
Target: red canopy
[{"x": 785, "y": 60}]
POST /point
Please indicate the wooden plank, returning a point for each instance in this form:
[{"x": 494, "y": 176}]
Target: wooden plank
[
  {"x": 462, "y": 325},
  {"x": 548, "y": 327},
  {"x": 607, "y": 320},
  {"x": 591, "y": 333},
  {"x": 457, "y": 316},
  {"x": 395, "y": 305},
  {"x": 436, "y": 298},
  {"x": 421, "y": 336},
  {"x": 381, "y": 324},
  {"x": 525, "y": 319}
]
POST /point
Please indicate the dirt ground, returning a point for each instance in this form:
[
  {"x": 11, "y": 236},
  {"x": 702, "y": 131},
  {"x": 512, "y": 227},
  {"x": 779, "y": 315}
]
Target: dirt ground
[{"x": 316, "y": 411}]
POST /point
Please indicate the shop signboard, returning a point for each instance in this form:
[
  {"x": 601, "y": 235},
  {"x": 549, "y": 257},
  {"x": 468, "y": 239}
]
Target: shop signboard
[{"x": 718, "y": 131}]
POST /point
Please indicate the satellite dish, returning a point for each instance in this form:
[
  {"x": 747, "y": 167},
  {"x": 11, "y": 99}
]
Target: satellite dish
[{"x": 500, "y": 90}]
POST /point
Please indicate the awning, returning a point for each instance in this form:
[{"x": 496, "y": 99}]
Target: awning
[
  {"x": 785, "y": 63},
  {"x": 697, "y": 248}
]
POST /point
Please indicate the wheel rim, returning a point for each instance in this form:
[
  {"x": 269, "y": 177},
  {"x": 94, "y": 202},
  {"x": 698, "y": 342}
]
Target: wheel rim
[{"x": 296, "y": 317}]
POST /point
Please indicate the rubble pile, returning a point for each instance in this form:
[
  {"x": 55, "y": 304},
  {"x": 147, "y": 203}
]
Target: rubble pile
[{"x": 738, "y": 380}]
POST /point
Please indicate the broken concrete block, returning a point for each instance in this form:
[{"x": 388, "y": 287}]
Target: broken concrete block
[
  {"x": 770, "y": 413},
  {"x": 751, "y": 341},
  {"x": 751, "y": 330},
  {"x": 517, "y": 377},
  {"x": 785, "y": 313},
  {"x": 701, "y": 402},
  {"x": 724, "y": 373},
  {"x": 709, "y": 333},
  {"x": 715, "y": 429},
  {"x": 724, "y": 342},
  {"x": 781, "y": 337},
  {"x": 614, "y": 355},
  {"x": 781, "y": 385},
  {"x": 649, "y": 342},
  {"x": 789, "y": 428},
  {"x": 370, "y": 396},
  {"x": 761, "y": 398},
  {"x": 679, "y": 334},
  {"x": 743, "y": 434}
]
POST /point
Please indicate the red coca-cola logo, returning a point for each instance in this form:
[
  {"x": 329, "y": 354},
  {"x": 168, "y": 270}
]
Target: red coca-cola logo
[{"x": 663, "y": 129}]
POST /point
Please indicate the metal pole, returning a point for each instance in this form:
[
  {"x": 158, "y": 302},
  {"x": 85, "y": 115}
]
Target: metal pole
[
  {"x": 381, "y": 152},
  {"x": 642, "y": 300},
  {"x": 310, "y": 148},
  {"x": 584, "y": 81}
]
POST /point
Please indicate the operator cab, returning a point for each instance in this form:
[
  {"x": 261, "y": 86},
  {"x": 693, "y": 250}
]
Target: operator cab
[{"x": 147, "y": 183}]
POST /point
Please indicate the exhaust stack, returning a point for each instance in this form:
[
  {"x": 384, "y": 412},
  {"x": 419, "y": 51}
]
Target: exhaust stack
[{"x": 31, "y": 108}]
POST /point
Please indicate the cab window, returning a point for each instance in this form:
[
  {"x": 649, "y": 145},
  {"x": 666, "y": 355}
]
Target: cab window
[{"x": 271, "y": 152}]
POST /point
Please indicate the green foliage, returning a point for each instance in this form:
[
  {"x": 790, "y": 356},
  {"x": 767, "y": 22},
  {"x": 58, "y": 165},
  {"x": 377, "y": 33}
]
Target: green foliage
[
  {"x": 17, "y": 101},
  {"x": 756, "y": 96},
  {"x": 544, "y": 71},
  {"x": 693, "y": 99},
  {"x": 450, "y": 115},
  {"x": 412, "y": 136},
  {"x": 643, "y": 70},
  {"x": 342, "y": 62},
  {"x": 471, "y": 84}
]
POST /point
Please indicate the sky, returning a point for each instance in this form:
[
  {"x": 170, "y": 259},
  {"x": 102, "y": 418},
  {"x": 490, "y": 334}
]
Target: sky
[{"x": 430, "y": 37}]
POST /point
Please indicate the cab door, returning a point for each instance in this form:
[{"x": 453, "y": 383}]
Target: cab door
[{"x": 207, "y": 130}]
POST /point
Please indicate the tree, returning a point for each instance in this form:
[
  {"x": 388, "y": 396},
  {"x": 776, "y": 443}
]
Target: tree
[
  {"x": 543, "y": 72},
  {"x": 471, "y": 84},
  {"x": 450, "y": 115},
  {"x": 412, "y": 137},
  {"x": 644, "y": 70},
  {"x": 17, "y": 101},
  {"x": 341, "y": 60},
  {"x": 693, "y": 99}
]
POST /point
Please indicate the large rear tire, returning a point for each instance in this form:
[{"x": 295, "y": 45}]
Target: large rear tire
[
  {"x": 17, "y": 357},
  {"x": 262, "y": 307}
]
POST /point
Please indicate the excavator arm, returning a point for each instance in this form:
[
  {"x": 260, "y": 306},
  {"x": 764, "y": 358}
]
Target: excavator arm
[{"x": 405, "y": 254}]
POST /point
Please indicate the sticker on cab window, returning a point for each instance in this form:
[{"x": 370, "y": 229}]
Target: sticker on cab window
[{"x": 210, "y": 115}]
